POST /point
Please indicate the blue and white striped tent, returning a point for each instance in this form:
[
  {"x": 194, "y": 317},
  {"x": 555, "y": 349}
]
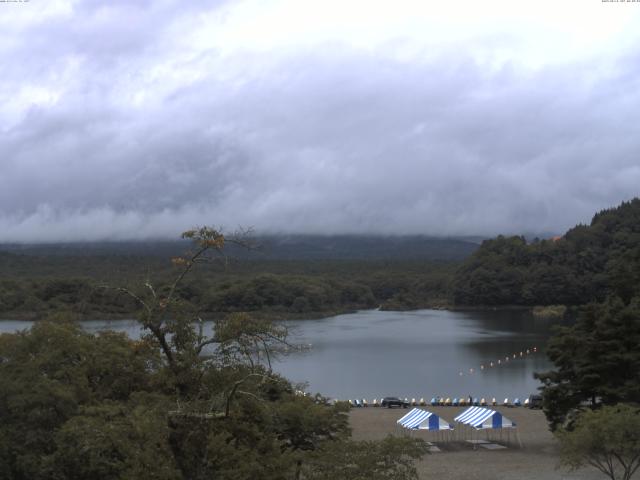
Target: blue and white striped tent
[
  {"x": 483, "y": 418},
  {"x": 418, "y": 419}
]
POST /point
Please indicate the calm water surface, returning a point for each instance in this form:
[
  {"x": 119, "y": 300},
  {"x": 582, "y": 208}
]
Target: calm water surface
[{"x": 423, "y": 353}]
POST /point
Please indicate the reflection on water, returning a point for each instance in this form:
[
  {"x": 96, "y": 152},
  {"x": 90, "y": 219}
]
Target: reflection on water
[
  {"x": 422, "y": 353},
  {"x": 425, "y": 353}
]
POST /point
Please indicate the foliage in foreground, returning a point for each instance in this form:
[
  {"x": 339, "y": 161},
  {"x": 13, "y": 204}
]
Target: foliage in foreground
[
  {"x": 176, "y": 404},
  {"x": 607, "y": 439},
  {"x": 391, "y": 458},
  {"x": 597, "y": 361}
]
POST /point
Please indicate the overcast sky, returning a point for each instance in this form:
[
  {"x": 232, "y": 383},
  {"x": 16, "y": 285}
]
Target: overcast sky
[{"x": 142, "y": 118}]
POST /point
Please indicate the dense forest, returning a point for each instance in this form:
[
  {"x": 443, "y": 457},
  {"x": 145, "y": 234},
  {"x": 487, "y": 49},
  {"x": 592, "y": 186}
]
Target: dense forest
[
  {"x": 585, "y": 265},
  {"x": 38, "y": 280},
  {"x": 275, "y": 247},
  {"x": 308, "y": 277}
]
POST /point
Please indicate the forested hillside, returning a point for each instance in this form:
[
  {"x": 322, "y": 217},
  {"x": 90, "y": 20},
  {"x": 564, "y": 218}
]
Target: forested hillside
[
  {"x": 586, "y": 264},
  {"x": 270, "y": 247},
  {"x": 297, "y": 275},
  {"x": 32, "y": 287}
]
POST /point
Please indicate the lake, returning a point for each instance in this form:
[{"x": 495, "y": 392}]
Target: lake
[{"x": 422, "y": 353}]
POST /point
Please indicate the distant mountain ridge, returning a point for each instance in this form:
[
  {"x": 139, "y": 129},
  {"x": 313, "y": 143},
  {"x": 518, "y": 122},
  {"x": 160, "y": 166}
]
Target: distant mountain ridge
[{"x": 277, "y": 247}]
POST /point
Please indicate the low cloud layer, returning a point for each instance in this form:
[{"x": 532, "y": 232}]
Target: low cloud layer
[{"x": 143, "y": 119}]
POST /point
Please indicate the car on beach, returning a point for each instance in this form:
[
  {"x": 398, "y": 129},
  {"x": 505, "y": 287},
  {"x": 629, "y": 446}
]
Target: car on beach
[
  {"x": 535, "y": 401},
  {"x": 393, "y": 402}
]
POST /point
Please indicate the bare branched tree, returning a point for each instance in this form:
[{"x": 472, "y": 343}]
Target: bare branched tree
[{"x": 180, "y": 336}]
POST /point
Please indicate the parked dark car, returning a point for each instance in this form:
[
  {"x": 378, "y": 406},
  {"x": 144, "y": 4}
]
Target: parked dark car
[
  {"x": 535, "y": 401},
  {"x": 393, "y": 402}
]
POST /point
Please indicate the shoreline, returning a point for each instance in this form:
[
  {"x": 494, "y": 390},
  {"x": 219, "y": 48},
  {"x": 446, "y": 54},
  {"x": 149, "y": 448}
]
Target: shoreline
[{"x": 271, "y": 315}]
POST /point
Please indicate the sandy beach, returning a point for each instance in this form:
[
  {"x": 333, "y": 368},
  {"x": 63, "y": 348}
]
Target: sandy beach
[{"x": 536, "y": 460}]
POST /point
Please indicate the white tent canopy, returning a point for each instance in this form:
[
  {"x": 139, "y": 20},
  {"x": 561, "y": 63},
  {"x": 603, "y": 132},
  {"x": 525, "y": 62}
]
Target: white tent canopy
[
  {"x": 418, "y": 419},
  {"x": 483, "y": 418}
]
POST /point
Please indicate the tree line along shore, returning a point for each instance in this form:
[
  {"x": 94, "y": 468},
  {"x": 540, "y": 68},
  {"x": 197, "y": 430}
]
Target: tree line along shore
[{"x": 586, "y": 264}]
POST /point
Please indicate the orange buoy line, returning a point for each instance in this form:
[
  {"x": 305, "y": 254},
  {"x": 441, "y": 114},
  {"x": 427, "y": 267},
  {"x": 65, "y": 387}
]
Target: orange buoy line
[{"x": 501, "y": 361}]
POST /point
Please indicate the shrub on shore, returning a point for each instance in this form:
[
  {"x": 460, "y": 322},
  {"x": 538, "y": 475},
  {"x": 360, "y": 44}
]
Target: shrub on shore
[{"x": 549, "y": 311}]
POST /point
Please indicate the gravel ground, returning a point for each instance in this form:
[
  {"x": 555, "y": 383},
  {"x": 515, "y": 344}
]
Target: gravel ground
[{"x": 536, "y": 460}]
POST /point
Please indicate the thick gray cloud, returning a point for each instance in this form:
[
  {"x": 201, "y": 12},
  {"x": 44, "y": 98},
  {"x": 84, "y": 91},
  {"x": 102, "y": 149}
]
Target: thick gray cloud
[{"x": 116, "y": 125}]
